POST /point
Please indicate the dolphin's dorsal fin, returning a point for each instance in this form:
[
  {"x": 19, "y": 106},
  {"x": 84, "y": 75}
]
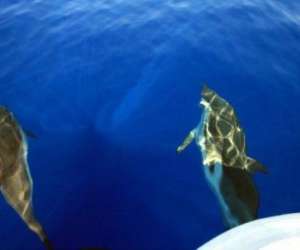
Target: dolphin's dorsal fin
[{"x": 254, "y": 166}]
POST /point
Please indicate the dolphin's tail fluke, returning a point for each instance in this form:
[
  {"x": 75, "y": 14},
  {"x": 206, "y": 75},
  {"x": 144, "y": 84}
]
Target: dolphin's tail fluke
[
  {"x": 255, "y": 166},
  {"x": 48, "y": 244}
]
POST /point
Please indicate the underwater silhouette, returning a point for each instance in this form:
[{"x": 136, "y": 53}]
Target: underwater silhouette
[
  {"x": 94, "y": 248},
  {"x": 15, "y": 178},
  {"x": 226, "y": 165}
]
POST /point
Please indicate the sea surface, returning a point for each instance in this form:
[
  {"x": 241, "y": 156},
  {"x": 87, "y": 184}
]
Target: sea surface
[{"x": 110, "y": 89}]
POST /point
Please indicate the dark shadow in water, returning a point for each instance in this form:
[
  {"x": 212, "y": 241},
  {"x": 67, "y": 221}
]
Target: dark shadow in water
[{"x": 120, "y": 200}]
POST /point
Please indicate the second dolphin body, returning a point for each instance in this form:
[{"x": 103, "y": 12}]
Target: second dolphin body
[
  {"x": 15, "y": 178},
  {"x": 226, "y": 164}
]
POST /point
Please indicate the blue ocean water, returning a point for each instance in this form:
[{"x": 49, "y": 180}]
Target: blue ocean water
[{"x": 111, "y": 88}]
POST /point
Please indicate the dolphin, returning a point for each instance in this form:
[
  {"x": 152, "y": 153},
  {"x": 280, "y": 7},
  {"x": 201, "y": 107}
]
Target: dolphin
[
  {"x": 15, "y": 178},
  {"x": 227, "y": 167}
]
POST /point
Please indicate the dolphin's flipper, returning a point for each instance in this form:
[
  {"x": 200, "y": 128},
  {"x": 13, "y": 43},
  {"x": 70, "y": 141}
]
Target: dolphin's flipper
[
  {"x": 187, "y": 141},
  {"x": 254, "y": 165},
  {"x": 17, "y": 191}
]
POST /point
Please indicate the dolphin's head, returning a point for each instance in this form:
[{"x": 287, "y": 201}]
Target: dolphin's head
[
  {"x": 207, "y": 93},
  {"x": 212, "y": 100},
  {"x": 207, "y": 96},
  {"x": 4, "y": 112}
]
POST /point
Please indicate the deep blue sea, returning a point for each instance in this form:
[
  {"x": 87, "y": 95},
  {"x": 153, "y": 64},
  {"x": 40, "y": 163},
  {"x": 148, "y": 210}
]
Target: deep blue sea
[{"x": 111, "y": 88}]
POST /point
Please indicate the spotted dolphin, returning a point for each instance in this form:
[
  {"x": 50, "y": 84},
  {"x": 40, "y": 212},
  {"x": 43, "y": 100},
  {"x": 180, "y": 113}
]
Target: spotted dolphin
[
  {"x": 227, "y": 167},
  {"x": 15, "y": 178}
]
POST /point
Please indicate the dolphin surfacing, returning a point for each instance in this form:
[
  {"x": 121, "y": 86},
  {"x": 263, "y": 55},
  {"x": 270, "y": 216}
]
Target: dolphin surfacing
[
  {"x": 227, "y": 167},
  {"x": 15, "y": 178}
]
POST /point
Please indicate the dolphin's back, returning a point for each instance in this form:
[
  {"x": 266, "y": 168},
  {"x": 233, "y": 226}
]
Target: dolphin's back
[
  {"x": 223, "y": 138},
  {"x": 10, "y": 143}
]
